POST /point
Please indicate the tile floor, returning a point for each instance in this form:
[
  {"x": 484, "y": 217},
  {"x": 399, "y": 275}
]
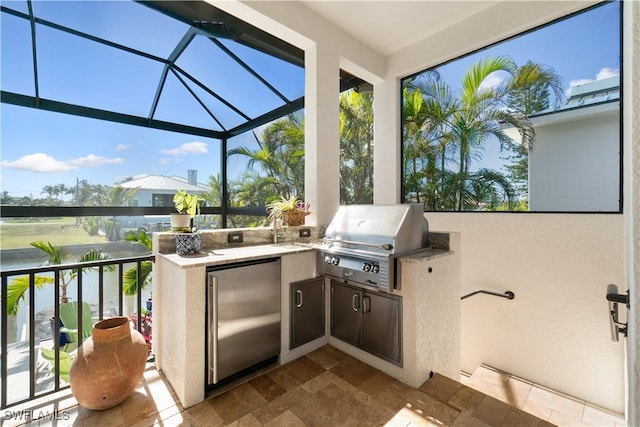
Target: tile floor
[
  {"x": 538, "y": 400},
  {"x": 324, "y": 388}
]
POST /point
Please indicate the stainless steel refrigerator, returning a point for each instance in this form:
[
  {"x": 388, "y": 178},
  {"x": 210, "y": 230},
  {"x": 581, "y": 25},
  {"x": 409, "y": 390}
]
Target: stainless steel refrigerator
[{"x": 243, "y": 316}]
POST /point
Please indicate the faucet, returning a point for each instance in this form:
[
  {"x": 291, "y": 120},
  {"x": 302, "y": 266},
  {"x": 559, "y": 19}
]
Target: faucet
[{"x": 275, "y": 230}]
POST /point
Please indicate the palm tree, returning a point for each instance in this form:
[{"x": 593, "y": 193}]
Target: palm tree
[
  {"x": 440, "y": 120},
  {"x": 130, "y": 278},
  {"x": 114, "y": 196},
  {"x": 278, "y": 161},
  {"x": 356, "y": 147},
  {"x": 530, "y": 92},
  {"x": 19, "y": 286}
]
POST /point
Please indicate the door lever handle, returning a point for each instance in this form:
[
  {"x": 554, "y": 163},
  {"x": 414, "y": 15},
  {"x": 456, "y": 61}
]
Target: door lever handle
[{"x": 614, "y": 298}]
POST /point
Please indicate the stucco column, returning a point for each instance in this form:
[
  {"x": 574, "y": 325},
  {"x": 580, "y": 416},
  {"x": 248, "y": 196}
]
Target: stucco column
[
  {"x": 322, "y": 142},
  {"x": 631, "y": 132},
  {"x": 386, "y": 138}
]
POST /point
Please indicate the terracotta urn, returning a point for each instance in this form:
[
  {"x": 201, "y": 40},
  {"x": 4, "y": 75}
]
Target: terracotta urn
[{"x": 109, "y": 365}]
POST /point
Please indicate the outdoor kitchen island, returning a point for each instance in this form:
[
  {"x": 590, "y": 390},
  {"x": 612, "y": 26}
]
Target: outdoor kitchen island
[{"x": 430, "y": 292}]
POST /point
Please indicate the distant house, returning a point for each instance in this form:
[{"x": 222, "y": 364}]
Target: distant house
[
  {"x": 158, "y": 190},
  {"x": 576, "y": 149}
]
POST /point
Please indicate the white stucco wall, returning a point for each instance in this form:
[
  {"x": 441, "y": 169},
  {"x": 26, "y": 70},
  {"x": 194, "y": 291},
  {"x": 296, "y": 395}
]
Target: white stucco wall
[
  {"x": 558, "y": 265},
  {"x": 575, "y": 163},
  {"x": 556, "y": 331}
]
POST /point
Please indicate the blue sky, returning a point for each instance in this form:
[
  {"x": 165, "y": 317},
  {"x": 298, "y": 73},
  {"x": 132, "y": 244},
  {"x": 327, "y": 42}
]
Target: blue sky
[
  {"x": 580, "y": 50},
  {"x": 40, "y": 148}
]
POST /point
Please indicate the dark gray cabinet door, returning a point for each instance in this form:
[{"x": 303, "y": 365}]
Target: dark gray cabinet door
[
  {"x": 346, "y": 317},
  {"x": 307, "y": 311},
  {"x": 381, "y": 325}
]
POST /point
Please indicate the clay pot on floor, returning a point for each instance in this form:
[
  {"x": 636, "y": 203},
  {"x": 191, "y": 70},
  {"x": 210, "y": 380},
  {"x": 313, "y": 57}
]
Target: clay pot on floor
[{"x": 109, "y": 365}]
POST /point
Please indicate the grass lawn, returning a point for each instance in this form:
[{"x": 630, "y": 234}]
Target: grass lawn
[{"x": 59, "y": 231}]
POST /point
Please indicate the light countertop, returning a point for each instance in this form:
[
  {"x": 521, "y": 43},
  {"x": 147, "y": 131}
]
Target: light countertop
[
  {"x": 231, "y": 255},
  {"x": 248, "y": 253}
]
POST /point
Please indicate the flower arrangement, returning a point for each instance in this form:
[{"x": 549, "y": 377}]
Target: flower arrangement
[{"x": 291, "y": 210}]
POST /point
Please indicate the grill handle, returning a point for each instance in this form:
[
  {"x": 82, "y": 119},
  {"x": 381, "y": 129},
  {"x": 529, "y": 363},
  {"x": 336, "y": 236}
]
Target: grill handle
[{"x": 384, "y": 246}]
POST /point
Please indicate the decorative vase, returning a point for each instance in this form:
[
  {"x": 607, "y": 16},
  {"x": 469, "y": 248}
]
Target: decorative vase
[
  {"x": 109, "y": 365},
  {"x": 180, "y": 222},
  {"x": 188, "y": 243}
]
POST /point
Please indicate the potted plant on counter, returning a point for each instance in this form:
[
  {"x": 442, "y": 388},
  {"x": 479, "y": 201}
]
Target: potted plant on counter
[
  {"x": 291, "y": 210},
  {"x": 188, "y": 240}
]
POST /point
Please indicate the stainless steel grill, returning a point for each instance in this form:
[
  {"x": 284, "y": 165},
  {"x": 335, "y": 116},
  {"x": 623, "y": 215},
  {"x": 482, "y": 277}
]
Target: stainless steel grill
[{"x": 362, "y": 242}]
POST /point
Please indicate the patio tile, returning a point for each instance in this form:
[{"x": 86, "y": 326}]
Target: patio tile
[
  {"x": 248, "y": 396},
  {"x": 304, "y": 369},
  {"x": 284, "y": 379},
  {"x": 353, "y": 371},
  {"x": 229, "y": 408},
  {"x": 203, "y": 414},
  {"x": 491, "y": 376},
  {"x": 546, "y": 398},
  {"x": 482, "y": 386},
  {"x": 387, "y": 390},
  {"x": 159, "y": 418},
  {"x": 519, "y": 418},
  {"x": 537, "y": 409},
  {"x": 248, "y": 420},
  {"x": 561, "y": 419},
  {"x": 466, "y": 399},
  {"x": 326, "y": 356},
  {"x": 330, "y": 406},
  {"x": 110, "y": 417},
  {"x": 286, "y": 419},
  {"x": 137, "y": 407},
  {"x": 318, "y": 383},
  {"x": 515, "y": 392},
  {"x": 600, "y": 417},
  {"x": 406, "y": 417},
  {"x": 280, "y": 404},
  {"x": 440, "y": 387},
  {"x": 267, "y": 387},
  {"x": 431, "y": 408},
  {"x": 491, "y": 411}
]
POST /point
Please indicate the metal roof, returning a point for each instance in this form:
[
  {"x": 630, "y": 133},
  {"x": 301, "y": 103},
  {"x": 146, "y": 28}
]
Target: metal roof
[
  {"x": 588, "y": 94},
  {"x": 159, "y": 182}
]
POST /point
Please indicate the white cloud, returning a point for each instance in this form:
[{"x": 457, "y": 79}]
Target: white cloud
[
  {"x": 37, "y": 162},
  {"x": 604, "y": 73},
  {"x": 195, "y": 147},
  {"x": 41, "y": 162},
  {"x": 493, "y": 80},
  {"x": 92, "y": 161},
  {"x": 123, "y": 147}
]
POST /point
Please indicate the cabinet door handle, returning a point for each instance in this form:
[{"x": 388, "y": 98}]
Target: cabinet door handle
[
  {"x": 366, "y": 304},
  {"x": 298, "y": 298},
  {"x": 355, "y": 304}
]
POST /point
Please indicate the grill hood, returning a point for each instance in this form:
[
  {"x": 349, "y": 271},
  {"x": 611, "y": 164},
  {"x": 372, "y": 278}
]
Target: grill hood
[{"x": 388, "y": 229}]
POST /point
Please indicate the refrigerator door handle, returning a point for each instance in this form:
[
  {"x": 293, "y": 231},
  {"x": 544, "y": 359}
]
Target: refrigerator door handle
[{"x": 213, "y": 330}]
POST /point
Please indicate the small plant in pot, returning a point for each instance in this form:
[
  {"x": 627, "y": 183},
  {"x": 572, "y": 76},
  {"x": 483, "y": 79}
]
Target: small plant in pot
[
  {"x": 291, "y": 210},
  {"x": 188, "y": 240}
]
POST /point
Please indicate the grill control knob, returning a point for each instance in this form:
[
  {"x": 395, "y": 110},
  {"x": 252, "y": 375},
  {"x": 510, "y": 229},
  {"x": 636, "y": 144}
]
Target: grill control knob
[
  {"x": 375, "y": 268},
  {"x": 327, "y": 259},
  {"x": 335, "y": 260},
  {"x": 366, "y": 266}
]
